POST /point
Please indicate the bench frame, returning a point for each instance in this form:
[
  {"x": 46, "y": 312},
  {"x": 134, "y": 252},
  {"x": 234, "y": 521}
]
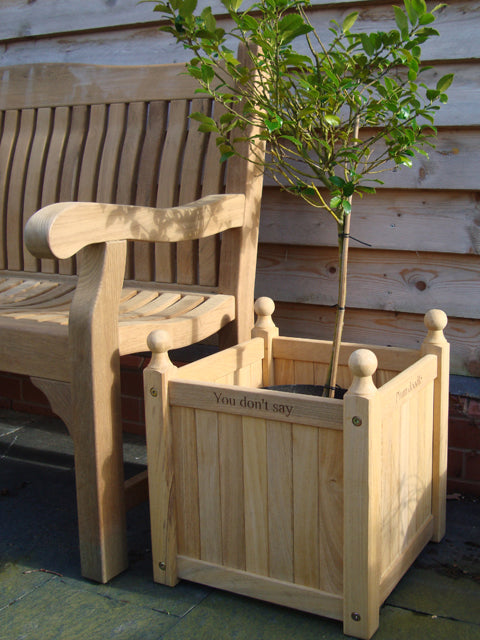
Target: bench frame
[{"x": 72, "y": 353}]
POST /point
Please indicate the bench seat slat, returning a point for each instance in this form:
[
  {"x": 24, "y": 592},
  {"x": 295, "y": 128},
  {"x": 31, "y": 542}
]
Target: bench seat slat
[{"x": 38, "y": 301}]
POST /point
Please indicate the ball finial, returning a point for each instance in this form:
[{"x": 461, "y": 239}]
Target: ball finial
[
  {"x": 363, "y": 363},
  {"x": 435, "y": 320},
  {"x": 159, "y": 341},
  {"x": 264, "y": 306}
]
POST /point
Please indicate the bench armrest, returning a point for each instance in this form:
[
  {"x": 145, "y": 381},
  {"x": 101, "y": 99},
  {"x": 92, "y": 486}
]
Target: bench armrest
[{"x": 60, "y": 230}]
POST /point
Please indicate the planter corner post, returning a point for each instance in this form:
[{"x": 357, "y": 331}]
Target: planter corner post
[
  {"x": 435, "y": 343},
  {"x": 362, "y": 475},
  {"x": 160, "y": 459},
  {"x": 266, "y": 329}
]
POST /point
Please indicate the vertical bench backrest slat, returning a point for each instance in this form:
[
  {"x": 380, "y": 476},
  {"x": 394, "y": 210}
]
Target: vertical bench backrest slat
[
  {"x": 213, "y": 182},
  {"x": 16, "y": 189},
  {"x": 130, "y": 156},
  {"x": 190, "y": 189},
  {"x": 9, "y": 121},
  {"x": 111, "y": 153},
  {"x": 53, "y": 168},
  {"x": 69, "y": 175},
  {"x": 168, "y": 182},
  {"x": 35, "y": 180},
  {"x": 141, "y": 261},
  {"x": 89, "y": 168}
]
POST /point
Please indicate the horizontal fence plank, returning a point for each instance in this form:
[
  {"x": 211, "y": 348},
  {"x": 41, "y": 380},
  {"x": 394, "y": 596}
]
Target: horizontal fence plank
[
  {"x": 54, "y": 17},
  {"x": 390, "y": 219},
  {"x": 394, "y": 281},
  {"x": 451, "y": 165},
  {"x": 432, "y": 207},
  {"x": 383, "y": 328}
]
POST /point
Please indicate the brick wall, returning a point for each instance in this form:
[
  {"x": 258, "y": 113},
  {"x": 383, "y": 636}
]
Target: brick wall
[
  {"x": 19, "y": 394},
  {"x": 464, "y": 445}
]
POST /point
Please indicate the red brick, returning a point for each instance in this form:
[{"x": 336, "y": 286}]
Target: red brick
[
  {"x": 5, "y": 403},
  {"x": 132, "y": 361},
  {"x": 456, "y": 405},
  {"x": 474, "y": 408},
  {"x": 132, "y": 383},
  {"x": 25, "y": 407},
  {"x": 455, "y": 464},
  {"x": 463, "y": 434},
  {"x": 472, "y": 466},
  {"x": 464, "y": 487},
  {"x": 31, "y": 394},
  {"x": 11, "y": 386},
  {"x": 131, "y": 411},
  {"x": 134, "y": 427}
]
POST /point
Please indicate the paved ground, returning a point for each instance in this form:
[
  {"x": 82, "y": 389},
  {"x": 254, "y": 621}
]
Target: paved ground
[{"x": 43, "y": 596}]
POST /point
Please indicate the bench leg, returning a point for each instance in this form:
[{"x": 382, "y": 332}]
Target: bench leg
[
  {"x": 99, "y": 479},
  {"x": 96, "y": 415},
  {"x": 96, "y": 431}
]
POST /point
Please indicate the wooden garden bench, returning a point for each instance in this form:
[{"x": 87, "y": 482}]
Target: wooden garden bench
[{"x": 74, "y": 295}]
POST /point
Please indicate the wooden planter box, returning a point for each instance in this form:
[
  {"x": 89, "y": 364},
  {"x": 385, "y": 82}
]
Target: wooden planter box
[{"x": 313, "y": 503}]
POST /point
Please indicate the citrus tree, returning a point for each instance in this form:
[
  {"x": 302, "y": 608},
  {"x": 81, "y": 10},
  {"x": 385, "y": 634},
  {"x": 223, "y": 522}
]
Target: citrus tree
[{"x": 334, "y": 115}]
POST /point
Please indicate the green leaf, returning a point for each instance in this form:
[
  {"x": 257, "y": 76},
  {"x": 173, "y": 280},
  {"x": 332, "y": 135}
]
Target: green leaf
[
  {"x": 187, "y": 7},
  {"x": 225, "y": 156},
  {"x": 332, "y": 120},
  {"x": 291, "y": 26},
  {"x": 232, "y": 5},
  {"x": 445, "y": 82},
  {"x": 337, "y": 181},
  {"x": 420, "y": 6},
  {"x": 411, "y": 11},
  {"x": 366, "y": 189},
  {"x": 207, "y": 125},
  {"x": 294, "y": 140},
  {"x": 427, "y": 18},
  {"x": 367, "y": 44},
  {"x": 335, "y": 202},
  {"x": 349, "y": 21},
  {"x": 297, "y": 60},
  {"x": 404, "y": 160},
  {"x": 401, "y": 20},
  {"x": 274, "y": 123}
]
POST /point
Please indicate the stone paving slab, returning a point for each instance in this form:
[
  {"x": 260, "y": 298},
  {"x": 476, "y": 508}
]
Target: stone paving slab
[
  {"x": 43, "y": 596},
  {"x": 56, "y": 610}
]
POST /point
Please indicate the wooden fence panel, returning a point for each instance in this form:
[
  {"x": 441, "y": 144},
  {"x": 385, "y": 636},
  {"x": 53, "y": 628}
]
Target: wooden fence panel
[{"x": 423, "y": 225}]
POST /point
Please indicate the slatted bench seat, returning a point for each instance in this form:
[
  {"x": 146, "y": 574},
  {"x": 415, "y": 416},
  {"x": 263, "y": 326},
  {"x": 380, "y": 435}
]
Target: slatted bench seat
[{"x": 88, "y": 281}]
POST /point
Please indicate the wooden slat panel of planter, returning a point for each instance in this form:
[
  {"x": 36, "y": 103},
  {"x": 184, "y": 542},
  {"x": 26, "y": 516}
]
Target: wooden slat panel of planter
[
  {"x": 405, "y": 404},
  {"x": 232, "y": 496},
  {"x": 384, "y": 328}
]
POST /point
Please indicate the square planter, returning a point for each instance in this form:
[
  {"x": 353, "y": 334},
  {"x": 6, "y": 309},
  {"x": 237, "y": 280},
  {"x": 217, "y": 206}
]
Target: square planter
[{"x": 314, "y": 503}]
